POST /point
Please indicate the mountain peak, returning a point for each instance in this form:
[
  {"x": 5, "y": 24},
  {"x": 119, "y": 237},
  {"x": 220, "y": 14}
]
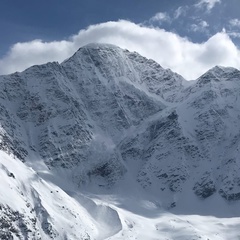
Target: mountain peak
[
  {"x": 220, "y": 71},
  {"x": 96, "y": 48},
  {"x": 96, "y": 51},
  {"x": 99, "y": 46}
]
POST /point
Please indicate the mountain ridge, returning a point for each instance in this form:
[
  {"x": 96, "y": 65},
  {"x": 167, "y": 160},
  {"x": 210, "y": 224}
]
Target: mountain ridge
[{"x": 108, "y": 120}]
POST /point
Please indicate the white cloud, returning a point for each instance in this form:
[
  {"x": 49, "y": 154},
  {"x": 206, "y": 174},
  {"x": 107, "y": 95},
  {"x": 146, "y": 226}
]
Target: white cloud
[
  {"x": 170, "y": 50},
  {"x": 219, "y": 49},
  {"x": 234, "y": 22},
  {"x": 160, "y": 17},
  {"x": 200, "y": 27},
  {"x": 208, "y": 4},
  {"x": 23, "y": 55}
]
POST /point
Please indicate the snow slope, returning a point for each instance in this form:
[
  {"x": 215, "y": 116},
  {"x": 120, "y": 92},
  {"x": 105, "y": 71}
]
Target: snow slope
[{"x": 109, "y": 145}]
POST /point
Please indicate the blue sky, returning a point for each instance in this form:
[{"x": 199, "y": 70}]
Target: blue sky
[{"x": 173, "y": 32}]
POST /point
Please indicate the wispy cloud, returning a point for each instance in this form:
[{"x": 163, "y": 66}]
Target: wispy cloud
[
  {"x": 234, "y": 34},
  {"x": 180, "y": 11},
  {"x": 208, "y": 4},
  {"x": 199, "y": 27},
  {"x": 234, "y": 22},
  {"x": 160, "y": 17},
  {"x": 169, "y": 49}
]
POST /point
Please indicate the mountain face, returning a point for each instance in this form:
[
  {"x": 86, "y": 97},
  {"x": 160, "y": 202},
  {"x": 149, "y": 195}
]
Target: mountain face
[{"x": 106, "y": 122}]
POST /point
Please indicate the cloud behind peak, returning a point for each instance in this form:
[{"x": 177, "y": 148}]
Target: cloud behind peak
[{"x": 167, "y": 48}]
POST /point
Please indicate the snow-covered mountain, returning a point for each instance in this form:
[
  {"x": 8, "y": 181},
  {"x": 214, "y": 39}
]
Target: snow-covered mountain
[{"x": 108, "y": 142}]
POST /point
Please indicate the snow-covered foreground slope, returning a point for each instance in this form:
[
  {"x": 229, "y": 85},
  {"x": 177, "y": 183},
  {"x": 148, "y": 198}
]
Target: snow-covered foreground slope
[
  {"x": 33, "y": 208},
  {"x": 109, "y": 145}
]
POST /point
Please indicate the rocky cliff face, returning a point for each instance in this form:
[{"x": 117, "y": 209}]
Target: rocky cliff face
[{"x": 105, "y": 114}]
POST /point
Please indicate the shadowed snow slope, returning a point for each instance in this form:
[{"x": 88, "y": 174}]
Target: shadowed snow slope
[{"x": 109, "y": 145}]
